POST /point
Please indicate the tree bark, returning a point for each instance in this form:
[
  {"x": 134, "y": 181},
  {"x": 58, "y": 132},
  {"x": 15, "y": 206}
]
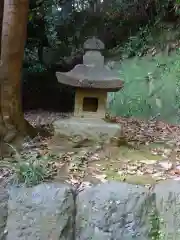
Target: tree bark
[
  {"x": 2, "y": 125},
  {"x": 12, "y": 53},
  {"x": 1, "y": 19}
]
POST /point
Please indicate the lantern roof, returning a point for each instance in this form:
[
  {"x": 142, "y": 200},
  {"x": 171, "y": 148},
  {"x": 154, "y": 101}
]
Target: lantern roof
[{"x": 92, "y": 73}]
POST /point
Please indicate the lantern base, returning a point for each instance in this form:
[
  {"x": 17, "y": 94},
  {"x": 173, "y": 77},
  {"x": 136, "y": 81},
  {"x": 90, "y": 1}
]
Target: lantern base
[{"x": 87, "y": 128}]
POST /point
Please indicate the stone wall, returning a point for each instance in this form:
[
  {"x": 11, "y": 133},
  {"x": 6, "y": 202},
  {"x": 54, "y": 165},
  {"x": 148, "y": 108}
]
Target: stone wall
[{"x": 112, "y": 210}]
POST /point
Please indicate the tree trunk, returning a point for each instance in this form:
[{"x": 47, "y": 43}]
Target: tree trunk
[
  {"x": 12, "y": 53},
  {"x": 1, "y": 19},
  {"x": 2, "y": 125}
]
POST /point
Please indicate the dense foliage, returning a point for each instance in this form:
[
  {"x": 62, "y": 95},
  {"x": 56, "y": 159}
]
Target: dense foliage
[
  {"x": 131, "y": 31},
  {"x": 57, "y": 29}
]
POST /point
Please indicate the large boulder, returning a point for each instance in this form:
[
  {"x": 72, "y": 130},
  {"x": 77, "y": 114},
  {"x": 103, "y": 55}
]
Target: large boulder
[
  {"x": 3, "y": 211},
  {"x": 168, "y": 205},
  {"x": 41, "y": 212},
  {"x": 113, "y": 211}
]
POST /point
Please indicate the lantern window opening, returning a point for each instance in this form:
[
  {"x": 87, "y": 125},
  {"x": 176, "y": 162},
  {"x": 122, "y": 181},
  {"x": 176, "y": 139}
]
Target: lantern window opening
[{"x": 90, "y": 104}]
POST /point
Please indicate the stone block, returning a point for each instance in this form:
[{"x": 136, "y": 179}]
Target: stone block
[
  {"x": 3, "y": 211},
  {"x": 94, "y": 129},
  {"x": 168, "y": 205},
  {"x": 112, "y": 211},
  {"x": 42, "y": 212},
  {"x": 94, "y": 44},
  {"x": 93, "y": 58}
]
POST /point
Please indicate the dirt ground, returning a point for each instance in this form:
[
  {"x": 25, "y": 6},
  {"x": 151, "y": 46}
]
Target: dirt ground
[
  {"x": 91, "y": 162},
  {"x": 97, "y": 162}
]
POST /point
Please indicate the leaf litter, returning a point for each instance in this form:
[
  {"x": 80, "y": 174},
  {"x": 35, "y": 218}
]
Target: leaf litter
[{"x": 151, "y": 153}]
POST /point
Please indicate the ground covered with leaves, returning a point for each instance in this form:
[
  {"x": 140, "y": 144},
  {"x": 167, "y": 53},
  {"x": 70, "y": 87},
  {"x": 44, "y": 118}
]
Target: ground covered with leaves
[{"x": 146, "y": 152}]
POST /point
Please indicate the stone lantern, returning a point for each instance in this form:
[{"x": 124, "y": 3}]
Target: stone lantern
[{"x": 92, "y": 81}]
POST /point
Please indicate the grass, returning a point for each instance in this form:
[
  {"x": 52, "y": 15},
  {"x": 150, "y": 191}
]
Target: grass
[
  {"x": 32, "y": 172},
  {"x": 151, "y": 83},
  {"x": 29, "y": 170},
  {"x": 144, "y": 99}
]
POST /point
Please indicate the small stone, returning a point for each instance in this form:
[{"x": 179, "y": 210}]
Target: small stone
[
  {"x": 98, "y": 165},
  {"x": 132, "y": 167},
  {"x": 159, "y": 176},
  {"x": 139, "y": 173},
  {"x": 166, "y": 165},
  {"x": 150, "y": 171},
  {"x": 95, "y": 157},
  {"x": 167, "y": 151}
]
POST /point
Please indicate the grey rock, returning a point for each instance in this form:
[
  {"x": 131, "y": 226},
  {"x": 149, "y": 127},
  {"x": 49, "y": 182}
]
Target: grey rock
[
  {"x": 93, "y": 44},
  {"x": 94, "y": 75},
  {"x": 168, "y": 205},
  {"x": 94, "y": 129},
  {"x": 108, "y": 211},
  {"x": 93, "y": 58},
  {"x": 41, "y": 212},
  {"x": 113, "y": 211},
  {"x": 3, "y": 211}
]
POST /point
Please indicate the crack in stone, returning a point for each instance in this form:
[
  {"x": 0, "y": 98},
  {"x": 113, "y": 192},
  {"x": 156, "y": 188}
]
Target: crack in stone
[{"x": 74, "y": 194}]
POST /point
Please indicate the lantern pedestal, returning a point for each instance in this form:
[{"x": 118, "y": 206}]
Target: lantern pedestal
[{"x": 86, "y": 128}]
